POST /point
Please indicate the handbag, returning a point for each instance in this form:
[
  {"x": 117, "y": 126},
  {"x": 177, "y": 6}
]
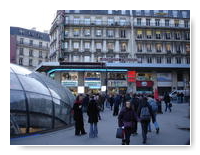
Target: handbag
[{"x": 120, "y": 133}]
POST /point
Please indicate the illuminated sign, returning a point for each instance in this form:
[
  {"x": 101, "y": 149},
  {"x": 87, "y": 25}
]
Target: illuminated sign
[{"x": 131, "y": 76}]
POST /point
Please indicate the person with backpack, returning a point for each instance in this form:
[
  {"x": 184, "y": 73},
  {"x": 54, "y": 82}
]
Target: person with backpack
[
  {"x": 92, "y": 113},
  {"x": 154, "y": 107},
  {"x": 125, "y": 120},
  {"x": 145, "y": 114}
]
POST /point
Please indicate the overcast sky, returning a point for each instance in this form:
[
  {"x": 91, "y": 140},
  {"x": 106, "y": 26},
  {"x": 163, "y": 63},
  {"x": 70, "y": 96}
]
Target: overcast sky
[{"x": 38, "y": 18}]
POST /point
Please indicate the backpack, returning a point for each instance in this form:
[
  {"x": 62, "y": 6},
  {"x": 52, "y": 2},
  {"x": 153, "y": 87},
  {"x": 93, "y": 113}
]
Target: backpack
[
  {"x": 154, "y": 106},
  {"x": 145, "y": 113}
]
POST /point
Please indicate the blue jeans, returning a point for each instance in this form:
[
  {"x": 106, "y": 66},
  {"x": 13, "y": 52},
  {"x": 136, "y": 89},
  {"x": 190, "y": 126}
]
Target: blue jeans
[
  {"x": 93, "y": 130},
  {"x": 155, "y": 123}
]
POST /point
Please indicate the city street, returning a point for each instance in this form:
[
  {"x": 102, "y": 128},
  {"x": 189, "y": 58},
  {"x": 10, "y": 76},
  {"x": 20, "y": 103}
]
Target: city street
[{"x": 174, "y": 130}]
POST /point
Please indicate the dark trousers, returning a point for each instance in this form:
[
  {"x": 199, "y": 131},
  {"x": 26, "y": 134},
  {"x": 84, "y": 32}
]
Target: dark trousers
[
  {"x": 116, "y": 110},
  {"x": 79, "y": 127},
  {"x": 167, "y": 107},
  {"x": 126, "y": 139},
  {"x": 144, "y": 125},
  {"x": 135, "y": 125}
]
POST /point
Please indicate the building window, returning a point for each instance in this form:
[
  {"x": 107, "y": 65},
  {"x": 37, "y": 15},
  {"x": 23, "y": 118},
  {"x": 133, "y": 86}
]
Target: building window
[
  {"x": 178, "y": 60},
  {"x": 40, "y": 44},
  {"x": 21, "y": 41},
  {"x": 168, "y": 35},
  {"x": 149, "y": 47},
  {"x": 66, "y": 20},
  {"x": 168, "y": 48},
  {"x": 87, "y": 45},
  {"x": 98, "y": 46},
  {"x": 169, "y": 60},
  {"x": 109, "y": 12},
  {"x": 123, "y": 12},
  {"x": 87, "y": 32},
  {"x": 157, "y": 22},
  {"x": 30, "y": 62},
  {"x": 87, "y": 21},
  {"x": 76, "y": 21},
  {"x": 139, "y": 34},
  {"x": 175, "y": 13},
  {"x": 187, "y": 48},
  {"x": 110, "y": 47},
  {"x": 40, "y": 54},
  {"x": 39, "y": 62},
  {"x": 31, "y": 42},
  {"x": 110, "y": 33},
  {"x": 86, "y": 58},
  {"x": 76, "y": 45},
  {"x": 158, "y": 35},
  {"x": 149, "y": 34},
  {"x": 188, "y": 60},
  {"x": 66, "y": 32},
  {"x": 123, "y": 33},
  {"x": 148, "y": 22},
  {"x": 30, "y": 53},
  {"x": 76, "y": 58},
  {"x": 76, "y": 32},
  {"x": 138, "y": 12},
  {"x": 122, "y": 22},
  {"x": 123, "y": 47},
  {"x": 167, "y": 22},
  {"x": 139, "y": 59},
  {"x": 187, "y": 36},
  {"x": 98, "y": 32},
  {"x": 149, "y": 60},
  {"x": 158, "y": 47},
  {"x": 98, "y": 21},
  {"x": 139, "y": 21},
  {"x": 176, "y": 23},
  {"x": 178, "y": 48},
  {"x": 139, "y": 47},
  {"x": 159, "y": 60},
  {"x": 186, "y": 23},
  {"x": 66, "y": 45},
  {"x": 184, "y": 14},
  {"x": 21, "y": 51},
  {"x": 147, "y": 13},
  {"x": 110, "y": 21},
  {"x": 20, "y": 61},
  {"x": 177, "y": 35}
]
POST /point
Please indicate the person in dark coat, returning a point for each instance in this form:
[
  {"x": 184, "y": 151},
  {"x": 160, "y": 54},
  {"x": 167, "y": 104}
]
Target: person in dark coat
[
  {"x": 135, "y": 105},
  {"x": 125, "y": 120},
  {"x": 111, "y": 101},
  {"x": 167, "y": 102},
  {"x": 78, "y": 117},
  {"x": 145, "y": 114},
  {"x": 85, "y": 102},
  {"x": 92, "y": 113},
  {"x": 117, "y": 101}
]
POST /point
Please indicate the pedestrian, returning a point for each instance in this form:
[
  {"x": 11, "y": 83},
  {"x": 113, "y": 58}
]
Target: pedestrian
[
  {"x": 145, "y": 114},
  {"x": 96, "y": 98},
  {"x": 167, "y": 102},
  {"x": 92, "y": 113},
  {"x": 78, "y": 117},
  {"x": 125, "y": 120},
  {"x": 117, "y": 101},
  {"x": 85, "y": 103},
  {"x": 154, "y": 107},
  {"x": 134, "y": 105},
  {"x": 181, "y": 97},
  {"x": 123, "y": 100},
  {"x": 111, "y": 101},
  {"x": 159, "y": 103}
]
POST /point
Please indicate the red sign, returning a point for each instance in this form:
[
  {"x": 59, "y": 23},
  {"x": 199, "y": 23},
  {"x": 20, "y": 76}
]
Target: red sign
[
  {"x": 131, "y": 76},
  {"x": 144, "y": 83}
]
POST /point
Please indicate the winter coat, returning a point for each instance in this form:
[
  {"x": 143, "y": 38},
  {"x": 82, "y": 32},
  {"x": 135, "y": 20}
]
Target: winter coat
[
  {"x": 92, "y": 112},
  {"x": 126, "y": 115},
  {"x": 117, "y": 101},
  {"x": 78, "y": 114},
  {"x": 135, "y": 103},
  {"x": 167, "y": 98}
]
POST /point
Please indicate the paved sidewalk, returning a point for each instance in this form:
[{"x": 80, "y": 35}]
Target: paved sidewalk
[{"x": 173, "y": 131}]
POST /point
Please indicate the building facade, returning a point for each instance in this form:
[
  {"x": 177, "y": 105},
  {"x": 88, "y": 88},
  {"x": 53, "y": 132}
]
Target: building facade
[
  {"x": 28, "y": 48},
  {"x": 120, "y": 39}
]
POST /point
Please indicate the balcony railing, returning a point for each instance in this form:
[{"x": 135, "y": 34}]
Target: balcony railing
[
  {"x": 161, "y": 25},
  {"x": 33, "y": 46},
  {"x": 96, "y": 23}
]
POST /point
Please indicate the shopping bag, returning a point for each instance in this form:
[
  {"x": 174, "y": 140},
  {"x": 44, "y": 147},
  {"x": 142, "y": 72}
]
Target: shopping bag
[{"x": 120, "y": 133}]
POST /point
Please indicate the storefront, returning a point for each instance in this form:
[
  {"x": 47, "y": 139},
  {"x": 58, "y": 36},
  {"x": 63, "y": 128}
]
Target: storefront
[
  {"x": 117, "y": 83},
  {"x": 164, "y": 82},
  {"x": 92, "y": 82},
  {"x": 144, "y": 83},
  {"x": 70, "y": 80}
]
